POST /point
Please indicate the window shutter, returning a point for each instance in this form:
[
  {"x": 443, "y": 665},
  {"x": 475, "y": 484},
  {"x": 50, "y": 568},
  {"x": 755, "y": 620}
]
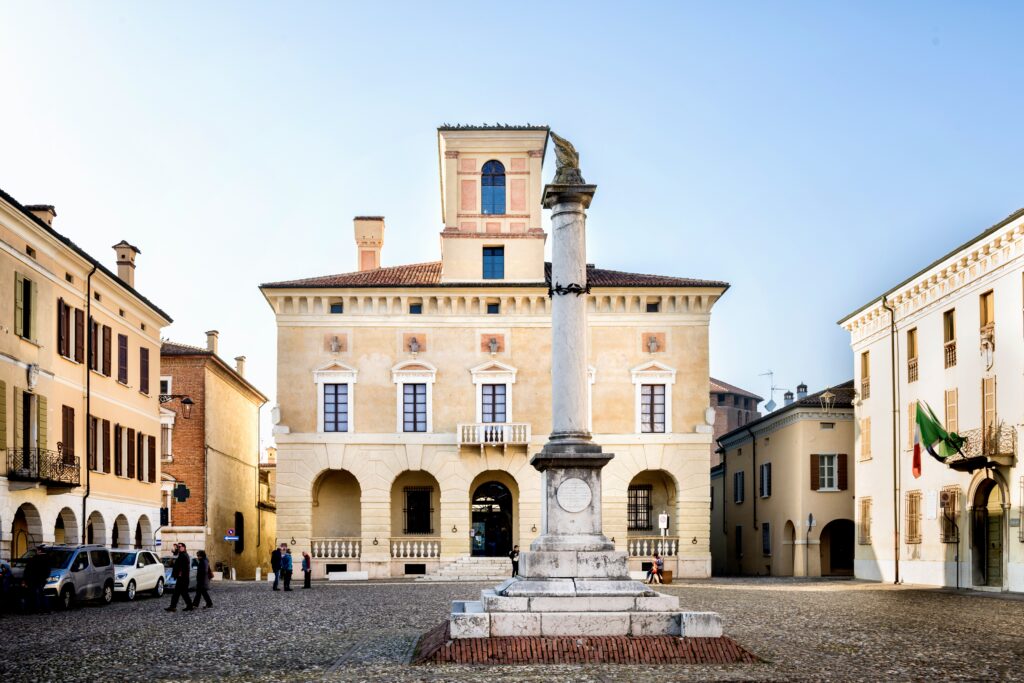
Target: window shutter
[
  {"x": 151, "y": 443},
  {"x": 32, "y": 304},
  {"x": 106, "y": 446},
  {"x": 19, "y": 304},
  {"x": 62, "y": 330},
  {"x": 79, "y": 335},
  {"x": 92, "y": 344},
  {"x": 106, "y": 351},
  {"x": 911, "y": 423},
  {"x": 815, "y": 473},
  {"x": 118, "y": 448},
  {"x": 67, "y": 431},
  {"x": 90, "y": 442},
  {"x": 19, "y": 435},
  {"x": 122, "y": 358},
  {"x": 131, "y": 453},
  {"x": 144, "y": 370},
  {"x": 41, "y": 419},
  {"x": 768, "y": 471},
  {"x": 841, "y": 466},
  {"x": 3, "y": 415}
]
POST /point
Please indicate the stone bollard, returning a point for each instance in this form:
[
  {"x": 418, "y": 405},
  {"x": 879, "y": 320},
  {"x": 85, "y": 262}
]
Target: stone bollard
[{"x": 259, "y": 573}]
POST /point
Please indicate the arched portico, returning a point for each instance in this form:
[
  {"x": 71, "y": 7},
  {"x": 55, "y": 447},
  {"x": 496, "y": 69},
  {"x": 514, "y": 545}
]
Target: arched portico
[
  {"x": 494, "y": 510},
  {"x": 144, "y": 533},
  {"x": 120, "y": 535},
  {"x": 988, "y": 495},
  {"x": 836, "y": 548},
  {"x": 65, "y": 527},
  {"x": 26, "y": 529},
  {"x": 336, "y": 505},
  {"x": 96, "y": 528}
]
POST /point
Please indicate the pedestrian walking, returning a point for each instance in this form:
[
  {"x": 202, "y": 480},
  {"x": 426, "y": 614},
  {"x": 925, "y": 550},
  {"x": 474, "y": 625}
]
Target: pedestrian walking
[
  {"x": 204, "y": 575},
  {"x": 514, "y": 556},
  {"x": 654, "y": 573},
  {"x": 286, "y": 569},
  {"x": 37, "y": 570},
  {"x": 307, "y": 569},
  {"x": 275, "y": 564},
  {"x": 180, "y": 572}
]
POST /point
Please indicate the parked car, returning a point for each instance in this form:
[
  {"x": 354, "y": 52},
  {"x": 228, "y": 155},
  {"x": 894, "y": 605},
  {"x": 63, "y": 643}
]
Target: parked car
[
  {"x": 137, "y": 570},
  {"x": 170, "y": 581},
  {"x": 78, "y": 573}
]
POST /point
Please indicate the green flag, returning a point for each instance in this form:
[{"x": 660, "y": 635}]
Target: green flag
[{"x": 936, "y": 440}]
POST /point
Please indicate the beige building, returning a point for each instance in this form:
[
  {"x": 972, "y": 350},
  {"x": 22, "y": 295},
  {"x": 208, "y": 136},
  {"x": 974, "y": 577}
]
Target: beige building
[
  {"x": 79, "y": 367},
  {"x": 948, "y": 336},
  {"x": 215, "y": 455},
  {"x": 411, "y": 398},
  {"x": 786, "y": 482}
]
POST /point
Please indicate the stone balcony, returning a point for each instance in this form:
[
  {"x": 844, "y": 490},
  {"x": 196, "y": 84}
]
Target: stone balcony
[{"x": 502, "y": 434}]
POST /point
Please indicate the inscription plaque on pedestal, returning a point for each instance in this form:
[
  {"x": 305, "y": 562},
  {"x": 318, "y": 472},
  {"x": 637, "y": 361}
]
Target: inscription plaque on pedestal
[{"x": 573, "y": 495}]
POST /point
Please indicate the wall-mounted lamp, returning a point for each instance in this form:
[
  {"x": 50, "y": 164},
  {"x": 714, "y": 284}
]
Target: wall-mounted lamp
[
  {"x": 186, "y": 403},
  {"x": 335, "y": 345},
  {"x": 652, "y": 344},
  {"x": 414, "y": 346},
  {"x": 492, "y": 345}
]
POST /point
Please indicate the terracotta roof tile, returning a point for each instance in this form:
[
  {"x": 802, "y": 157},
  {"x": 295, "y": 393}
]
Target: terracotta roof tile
[
  {"x": 429, "y": 275},
  {"x": 726, "y": 388}
]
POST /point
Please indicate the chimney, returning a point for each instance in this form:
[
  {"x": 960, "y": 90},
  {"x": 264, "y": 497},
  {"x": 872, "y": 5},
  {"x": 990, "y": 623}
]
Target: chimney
[
  {"x": 44, "y": 212},
  {"x": 369, "y": 231},
  {"x": 211, "y": 340},
  {"x": 801, "y": 391},
  {"x": 126, "y": 262},
  {"x": 787, "y": 398},
  {"x": 240, "y": 365}
]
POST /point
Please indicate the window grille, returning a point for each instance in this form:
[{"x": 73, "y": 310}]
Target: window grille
[
  {"x": 864, "y": 528},
  {"x": 913, "y": 517},
  {"x": 949, "y": 512},
  {"x": 418, "y": 510},
  {"x": 638, "y": 510}
]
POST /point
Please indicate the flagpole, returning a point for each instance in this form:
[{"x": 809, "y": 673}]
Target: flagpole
[{"x": 895, "y": 440}]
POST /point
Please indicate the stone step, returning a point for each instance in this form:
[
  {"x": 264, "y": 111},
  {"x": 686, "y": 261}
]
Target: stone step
[{"x": 472, "y": 624}]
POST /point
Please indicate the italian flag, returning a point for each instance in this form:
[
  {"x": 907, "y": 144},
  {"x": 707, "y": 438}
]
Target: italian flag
[{"x": 929, "y": 432}]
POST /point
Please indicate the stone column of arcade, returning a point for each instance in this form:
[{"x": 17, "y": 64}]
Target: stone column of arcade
[{"x": 572, "y": 581}]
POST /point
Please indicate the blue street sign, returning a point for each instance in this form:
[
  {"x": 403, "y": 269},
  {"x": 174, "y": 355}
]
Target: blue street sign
[{"x": 231, "y": 538}]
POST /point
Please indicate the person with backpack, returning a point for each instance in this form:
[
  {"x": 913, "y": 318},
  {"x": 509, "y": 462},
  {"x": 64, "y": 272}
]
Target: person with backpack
[{"x": 204, "y": 574}]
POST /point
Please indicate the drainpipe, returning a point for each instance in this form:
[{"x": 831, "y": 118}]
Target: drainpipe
[
  {"x": 89, "y": 344},
  {"x": 895, "y": 440}
]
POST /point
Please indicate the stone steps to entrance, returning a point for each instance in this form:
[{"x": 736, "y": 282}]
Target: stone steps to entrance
[{"x": 469, "y": 568}]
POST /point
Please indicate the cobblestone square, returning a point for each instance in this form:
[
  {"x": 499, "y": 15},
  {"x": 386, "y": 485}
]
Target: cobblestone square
[{"x": 841, "y": 630}]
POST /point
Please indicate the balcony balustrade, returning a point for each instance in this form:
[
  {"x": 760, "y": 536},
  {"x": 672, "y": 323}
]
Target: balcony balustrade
[
  {"x": 51, "y": 468},
  {"x": 336, "y": 548},
  {"x": 416, "y": 548},
  {"x": 502, "y": 434},
  {"x": 950, "y": 350},
  {"x": 645, "y": 546},
  {"x": 912, "y": 370}
]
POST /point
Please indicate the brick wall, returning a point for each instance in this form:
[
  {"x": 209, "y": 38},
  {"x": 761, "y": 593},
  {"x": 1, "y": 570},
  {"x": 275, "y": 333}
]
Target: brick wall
[{"x": 189, "y": 464}]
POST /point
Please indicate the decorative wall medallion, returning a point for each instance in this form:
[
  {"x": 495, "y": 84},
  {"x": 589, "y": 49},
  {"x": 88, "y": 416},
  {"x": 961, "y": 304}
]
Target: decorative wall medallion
[{"x": 573, "y": 495}]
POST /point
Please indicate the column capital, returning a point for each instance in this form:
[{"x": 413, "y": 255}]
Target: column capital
[{"x": 561, "y": 194}]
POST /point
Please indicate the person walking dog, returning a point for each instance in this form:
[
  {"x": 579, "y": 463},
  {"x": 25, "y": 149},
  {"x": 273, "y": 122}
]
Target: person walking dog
[
  {"x": 180, "y": 574},
  {"x": 275, "y": 565},
  {"x": 203, "y": 577},
  {"x": 307, "y": 569}
]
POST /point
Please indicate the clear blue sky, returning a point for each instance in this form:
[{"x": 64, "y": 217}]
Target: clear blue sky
[{"x": 812, "y": 154}]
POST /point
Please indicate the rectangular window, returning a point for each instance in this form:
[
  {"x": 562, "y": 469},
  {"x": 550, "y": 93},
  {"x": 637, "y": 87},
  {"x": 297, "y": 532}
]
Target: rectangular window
[
  {"x": 988, "y": 414},
  {"x": 144, "y": 370},
  {"x": 652, "y": 408},
  {"x": 865, "y": 375},
  {"x": 766, "y": 539},
  {"x": 638, "y": 508},
  {"x": 737, "y": 487},
  {"x": 949, "y": 511},
  {"x": 336, "y": 407},
  {"x": 493, "y": 309},
  {"x": 764, "y": 486},
  {"x": 165, "y": 442},
  {"x": 828, "y": 472},
  {"x": 25, "y": 303},
  {"x": 91, "y": 443},
  {"x": 414, "y": 407},
  {"x": 865, "y": 438},
  {"x": 912, "y": 355},
  {"x": 864, "y": 525},
  {"x": 122, "y": 358},
  {"x": 492, "y": 402},
  {"x": 418, "y": 510},
  {"x": 415, "y": 309},
  {"x": 337, "y": 307},
  {"x": 952, "y": 410},
  {"x": 987, "y": 306},
  {"x": 739, "y": 542},
  {"x": 653, "y": 306},
  {"x": 494, "y": 263},
  {"x": 949, "y": 337},
  {"x": 913, "y": 521}
]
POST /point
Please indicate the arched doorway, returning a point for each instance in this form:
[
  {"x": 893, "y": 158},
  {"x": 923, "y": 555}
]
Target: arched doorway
[
  {"x": 836, "y": 546},
  {"x": 336, "y": 506},
  {"x": 65, "y": 528},
  {"x": 96, "y": 529},
  {"x": 26, "y": 530},
  {"x": 651, "y": 494},
  {"x": 987, "y": 534},
  {"x": 120, "y": 535},
  {"x": 491, "y": 508},
  {"x": 415, "y": 504}
]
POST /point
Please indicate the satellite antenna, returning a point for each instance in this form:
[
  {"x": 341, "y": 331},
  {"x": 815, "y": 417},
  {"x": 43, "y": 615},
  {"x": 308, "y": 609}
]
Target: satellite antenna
[{"x": 771, "y": 404}]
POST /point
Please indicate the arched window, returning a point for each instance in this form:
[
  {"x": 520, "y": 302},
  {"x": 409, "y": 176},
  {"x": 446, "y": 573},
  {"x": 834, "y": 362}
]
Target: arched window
[{"x": 492, "y": 192}]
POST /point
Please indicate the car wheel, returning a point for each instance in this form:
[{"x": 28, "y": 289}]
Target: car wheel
[
  {"x": 129, "y": 592},
  {"x": 108, "y": 593},
  {"x": 67, "y": 598},
  {"x": 159, "y": 590}
]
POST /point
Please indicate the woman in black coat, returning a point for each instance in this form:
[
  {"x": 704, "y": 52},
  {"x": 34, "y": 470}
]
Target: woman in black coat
[{"x": 203, "y": 576}]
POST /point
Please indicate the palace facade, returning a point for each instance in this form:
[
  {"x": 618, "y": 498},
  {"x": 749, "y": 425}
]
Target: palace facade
[
  {"x": 951, "y": 336},
  {"x": 411, "y": 398}
]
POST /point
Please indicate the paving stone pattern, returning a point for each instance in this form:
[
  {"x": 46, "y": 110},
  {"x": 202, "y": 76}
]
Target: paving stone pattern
[{"x": 840, "y": 630}]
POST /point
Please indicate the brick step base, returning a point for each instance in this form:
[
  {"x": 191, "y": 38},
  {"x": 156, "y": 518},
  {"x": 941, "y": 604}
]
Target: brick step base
[{"x": 436, "y": 647}]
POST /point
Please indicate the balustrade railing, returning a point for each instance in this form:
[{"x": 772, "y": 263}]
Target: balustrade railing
[
  {"x": 336, "y": 548},
  {"x": 950, "y": 353},
  {"x": 912, "y": 370},
  {"x": 54, "y": 468},
  {"x": 494, "y": 434},
  {"x": 645, "y": 546},
  {"x": 865, "y": 388},
  {"x": 409, "y": 548}
]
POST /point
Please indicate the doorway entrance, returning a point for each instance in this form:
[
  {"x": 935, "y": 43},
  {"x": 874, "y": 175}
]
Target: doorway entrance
[
  {"x": 837, "y": 548},
  {"x": 987, "y": 535},
  {"x": 492, "y": 520}
]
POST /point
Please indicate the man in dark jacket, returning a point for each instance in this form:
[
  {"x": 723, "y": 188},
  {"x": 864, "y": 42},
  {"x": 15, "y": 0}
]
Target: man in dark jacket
[
  {"x": 275, "y": 565},
  {"x": 180, "y": 574},
  {"x": 203, "y": 575},
  {"x": 37, "y": 570}
]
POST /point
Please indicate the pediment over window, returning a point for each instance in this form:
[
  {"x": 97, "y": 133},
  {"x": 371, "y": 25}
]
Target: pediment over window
[
  {"x": 653, "y": 371},
  {"x": 334, "y": 372},
  {"x": 493, "y": 372},
  {"x": 413, "y": 371}
]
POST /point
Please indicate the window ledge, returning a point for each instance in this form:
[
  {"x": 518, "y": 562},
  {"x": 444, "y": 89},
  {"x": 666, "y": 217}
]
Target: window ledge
[
  {"x": 829, "y": 490},
  {"x": 33, "y": 342}
]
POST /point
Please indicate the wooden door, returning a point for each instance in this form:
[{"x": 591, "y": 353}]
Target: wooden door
[{"x": 994, "y": 548}]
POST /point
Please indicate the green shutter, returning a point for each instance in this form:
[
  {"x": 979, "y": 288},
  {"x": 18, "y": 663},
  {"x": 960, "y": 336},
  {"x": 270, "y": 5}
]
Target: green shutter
[
  {"x": 19, "y": 436},
  {"x": 19, "y": 304},
  {"x": 41, "y": 404},
  {"x": 32, "y": 317},
  {"x": 3, "y": 415}
]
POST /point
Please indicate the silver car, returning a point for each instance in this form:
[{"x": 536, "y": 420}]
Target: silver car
[
  {"x": 170, "y": 581},
  {"x": 78, "y": 573}
]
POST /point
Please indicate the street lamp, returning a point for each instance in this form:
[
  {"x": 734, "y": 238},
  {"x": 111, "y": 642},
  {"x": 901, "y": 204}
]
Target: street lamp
[
  {"x": 186, "y": 403},
  {"x": 827, "y": 400}
]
